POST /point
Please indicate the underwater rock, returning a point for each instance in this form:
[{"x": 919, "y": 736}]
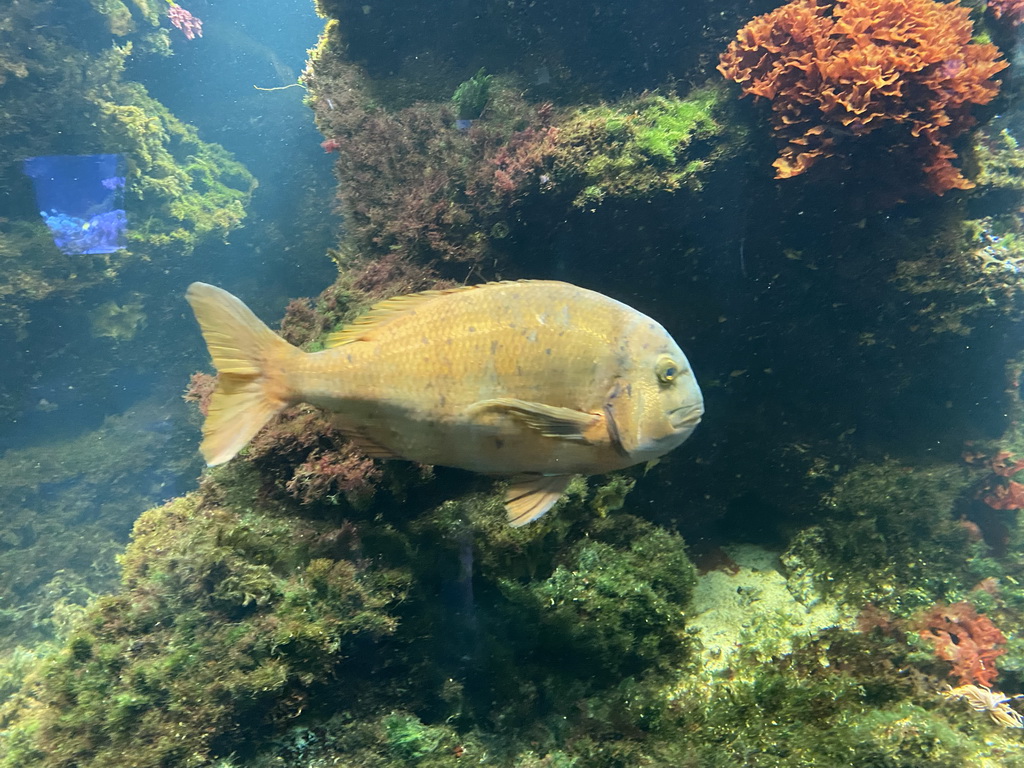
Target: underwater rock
[
  {"x": 119, "y": 322},
  {"x": 753, "y": 613}
]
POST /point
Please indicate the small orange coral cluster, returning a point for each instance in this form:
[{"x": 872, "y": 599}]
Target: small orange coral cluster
[
  {"x": 966, "y": 639},
  {"x": 1010, "y": 10},
  {"x": 835, "y": 71},
  {"x": 1000, "y": 490}
]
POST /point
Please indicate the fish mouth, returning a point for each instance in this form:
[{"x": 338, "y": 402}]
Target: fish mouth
[{"x": 686, "y": 416}]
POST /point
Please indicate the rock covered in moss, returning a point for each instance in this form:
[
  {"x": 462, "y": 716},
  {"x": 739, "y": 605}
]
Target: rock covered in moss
[
  {"x": 642, "y": 147},
  {"x": 751, "y": 612},
  {"x": 891, "y": 536},
  {"x": 226, "y": 623}
]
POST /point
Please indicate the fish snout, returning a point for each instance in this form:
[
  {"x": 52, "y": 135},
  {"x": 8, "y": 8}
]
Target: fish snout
[{"x": 686, "y": 416}]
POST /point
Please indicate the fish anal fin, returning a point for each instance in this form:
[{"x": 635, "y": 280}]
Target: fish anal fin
[
  {"x": 530, "y": 496},
  {"x": 549, "y": 420}
]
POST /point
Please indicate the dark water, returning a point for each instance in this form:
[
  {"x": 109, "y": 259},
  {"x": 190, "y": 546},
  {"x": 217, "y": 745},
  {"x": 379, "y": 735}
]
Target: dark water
[{"x": 65, "y": 380}]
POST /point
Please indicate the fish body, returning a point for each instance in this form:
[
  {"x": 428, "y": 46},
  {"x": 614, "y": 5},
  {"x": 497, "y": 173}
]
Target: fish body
[{"x": 539, "y": 380}]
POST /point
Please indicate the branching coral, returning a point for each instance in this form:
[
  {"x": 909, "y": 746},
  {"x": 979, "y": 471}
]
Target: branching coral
[
  {"x": 838, "y": 71},
  {"x": 969, "y": 640}
]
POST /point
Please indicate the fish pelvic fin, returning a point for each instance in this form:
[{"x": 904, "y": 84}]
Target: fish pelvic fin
[
  {"x": 252, "y": 364},
  {"x": 531, "y": 496}
]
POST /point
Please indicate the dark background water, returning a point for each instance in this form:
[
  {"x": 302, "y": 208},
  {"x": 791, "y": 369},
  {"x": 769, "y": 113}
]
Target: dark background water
[
  {"x": 97, "y": 429},
  {"x": 279, "y": 253}
]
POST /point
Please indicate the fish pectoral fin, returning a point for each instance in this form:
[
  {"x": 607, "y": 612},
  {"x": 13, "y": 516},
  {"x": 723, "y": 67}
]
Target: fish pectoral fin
[
  {"x": 549, "y": 420},
  {"x": 530, "y": 496}
]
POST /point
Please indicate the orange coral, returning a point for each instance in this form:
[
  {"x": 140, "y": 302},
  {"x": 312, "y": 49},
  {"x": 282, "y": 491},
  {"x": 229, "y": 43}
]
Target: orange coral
[
  {"x": 1011, "y": 10},
  {"x": 966, "y": 639},
  {"x": 836, "y": 71},
  {"x": 1000, "y": 490}
]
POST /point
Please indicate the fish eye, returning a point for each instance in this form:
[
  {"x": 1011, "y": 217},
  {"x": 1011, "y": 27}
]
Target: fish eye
[{"x": 666, "y": 369}]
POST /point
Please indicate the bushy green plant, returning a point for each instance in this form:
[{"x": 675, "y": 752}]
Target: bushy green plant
[
  {"x": 890, "y": 537},
  {"x": 471, "y": 97}
]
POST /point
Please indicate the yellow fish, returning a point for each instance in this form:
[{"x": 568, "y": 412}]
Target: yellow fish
[{"x": 535, "y": 379}]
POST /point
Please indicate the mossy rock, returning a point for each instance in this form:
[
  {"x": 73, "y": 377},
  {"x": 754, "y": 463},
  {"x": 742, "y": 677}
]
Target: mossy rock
[
  {"x": 891, "y": 536},
  {"x": 226, "y": 624},
  {"x": 641, "y": 147}
]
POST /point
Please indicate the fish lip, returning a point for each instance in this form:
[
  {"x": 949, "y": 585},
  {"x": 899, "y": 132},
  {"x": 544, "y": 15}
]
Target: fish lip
[{"x": 686, "y": 416}]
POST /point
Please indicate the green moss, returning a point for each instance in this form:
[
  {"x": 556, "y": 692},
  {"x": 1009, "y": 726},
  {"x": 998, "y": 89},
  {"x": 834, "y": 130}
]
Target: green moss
[
  {"x": 119, "y": 322},
  {"x": 471, "y": 97},
  {"x": 891, "y": 538},
  {"x": 225, "y": 624},
  {"x": 620, "y": 607},
  {"x": 67, "y": 514},
  {"x": 62, "y": 97},
  {"x": 408, "y": 739},
  {"x": 191, "y": 189},
  {"x": 118, "y": 16},
  {"x": 641, "y": 147},
  {"x": 965, "y": 272}
]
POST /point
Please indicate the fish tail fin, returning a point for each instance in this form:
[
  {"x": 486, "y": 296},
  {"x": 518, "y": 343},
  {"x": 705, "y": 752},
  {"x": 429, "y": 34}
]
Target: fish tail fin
[{"x": 252, "y": 364}]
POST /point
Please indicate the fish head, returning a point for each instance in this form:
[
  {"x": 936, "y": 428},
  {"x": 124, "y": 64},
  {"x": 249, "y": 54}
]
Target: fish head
[{"x": 656, "y": 404}]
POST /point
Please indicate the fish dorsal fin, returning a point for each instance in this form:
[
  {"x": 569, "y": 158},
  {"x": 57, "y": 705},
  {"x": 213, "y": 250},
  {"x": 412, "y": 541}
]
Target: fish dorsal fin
[
  {"x": 383, "y": 312},
  {"x": 530, "y": 496},
  {"x": 549, "y": 420}
]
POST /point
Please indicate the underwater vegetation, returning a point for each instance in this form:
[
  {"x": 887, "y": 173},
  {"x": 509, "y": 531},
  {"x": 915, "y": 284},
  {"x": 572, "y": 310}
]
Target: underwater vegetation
[
  {"x": 415, "y": 192},
  {"x": 471, "y": 97},
  {"x": 639, "y": 148},
  {"x": 284, "y": 618},
  {"x": 68, "y": 509},
  {"x": 269, "y": 612},
  {"x": 62, "y": 96},
  {"x": 117, "y": 321},
  {"x": 904, "y": 72}
]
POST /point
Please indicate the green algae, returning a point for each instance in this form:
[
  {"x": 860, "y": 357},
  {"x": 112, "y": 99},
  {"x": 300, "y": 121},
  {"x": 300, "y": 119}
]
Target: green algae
[
  {"x": 891, "y": 537},
  {"x": 225, "y": 618},
  {"x": 586, "y": 640},
  {"x": 410, "y": 740},
  {"x": 68, "y": 507},
  {"x": 967, "y": 270},
  {"x": 471, "y": 97},
  {"x": 755, "y": 612},
  {"x": 232, "y": 619},
  {"x": 638, "y": 148},
  {"x": 415, "y": 190},
  {"x": 119, "y": 322},
  {"x": 60, "y": 97},
  {"x": 582, "y": 642}
]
